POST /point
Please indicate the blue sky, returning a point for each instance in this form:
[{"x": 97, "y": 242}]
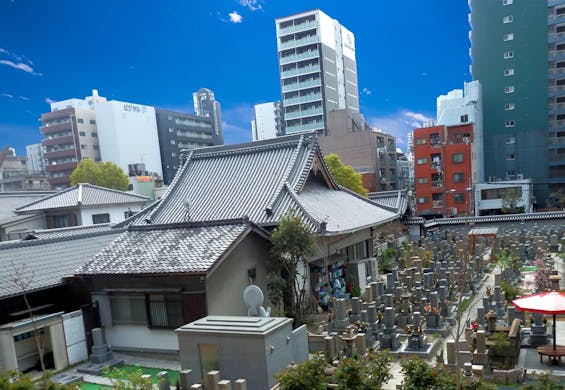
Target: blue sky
[{"x": 158, "y": 53}]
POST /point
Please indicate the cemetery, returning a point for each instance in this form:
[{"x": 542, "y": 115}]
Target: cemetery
[{"x": 452, "y": 300}]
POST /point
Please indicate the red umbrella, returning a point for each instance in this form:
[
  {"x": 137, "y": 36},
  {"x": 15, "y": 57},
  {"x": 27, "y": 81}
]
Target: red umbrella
[{"x": 547, "y": 302}]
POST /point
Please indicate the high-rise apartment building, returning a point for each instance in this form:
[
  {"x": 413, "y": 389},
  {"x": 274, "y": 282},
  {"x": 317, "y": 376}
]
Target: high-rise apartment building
[
  {"x": 509, "y": 52},
  {"x": 206, "y": 105},
  {"x": 69, "y": 135},
  {"x": 556, "y": 94},
  {"x": 317, "y": 68},
  {"x": 267, "y": 122}
]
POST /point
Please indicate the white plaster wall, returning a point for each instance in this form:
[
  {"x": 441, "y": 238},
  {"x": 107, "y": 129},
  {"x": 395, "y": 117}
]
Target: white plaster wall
[
  {"x": 127, "y": 134},
  {"x": 140, "y": 338},
  {"x": 116, "y": 212}
]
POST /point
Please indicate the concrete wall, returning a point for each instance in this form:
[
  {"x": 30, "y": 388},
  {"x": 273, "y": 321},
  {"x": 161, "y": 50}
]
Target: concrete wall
[
  {"x": 224, "y": 287},
  {"x": 141, "y": 338}
]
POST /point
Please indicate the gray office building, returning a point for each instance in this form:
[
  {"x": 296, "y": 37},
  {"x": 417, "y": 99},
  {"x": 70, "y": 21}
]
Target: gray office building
[
  {"x": 205, "y": 105},
  {"x": 317, "y": 68},
  {"x": 179, "y": 131}
]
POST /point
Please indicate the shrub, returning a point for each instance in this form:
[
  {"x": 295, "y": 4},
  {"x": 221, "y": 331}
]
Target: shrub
[
  {"x": 369, "y": 372},
  {"x": 306, "y": 375}
]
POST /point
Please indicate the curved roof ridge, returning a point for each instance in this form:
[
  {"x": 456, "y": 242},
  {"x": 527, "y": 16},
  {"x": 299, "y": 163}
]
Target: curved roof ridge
[
  {"x": 273, "y": 201},
  {"x": 317, "y": 224},
  {"x": 172, "y": 186},
  {"x": 251, "y": 148},
  {"x": 311, "y": 141}
]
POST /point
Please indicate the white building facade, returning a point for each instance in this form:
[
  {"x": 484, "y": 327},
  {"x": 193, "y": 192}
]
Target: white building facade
[
  {"x": 128, "y": 134},
  {"x": 268, "y": 121},
  {"x": 463, "y": 107},
  {"x": 317, "y": 69}
]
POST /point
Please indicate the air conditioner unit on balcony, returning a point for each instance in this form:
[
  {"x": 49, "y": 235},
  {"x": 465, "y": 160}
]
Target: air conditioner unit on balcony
[{"x": 520, "y": 176}]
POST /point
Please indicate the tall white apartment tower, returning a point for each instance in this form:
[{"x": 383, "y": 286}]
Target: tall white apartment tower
[{"x": 317, "y": 67}]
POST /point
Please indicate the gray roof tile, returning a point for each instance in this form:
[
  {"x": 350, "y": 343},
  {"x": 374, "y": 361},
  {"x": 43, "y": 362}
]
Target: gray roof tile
[
  {"x": 262, "y": 181},
  {"x": 44, "y": 263},
  {"x": 85, "y": 195},
  {"x": 166, "y": 249}
]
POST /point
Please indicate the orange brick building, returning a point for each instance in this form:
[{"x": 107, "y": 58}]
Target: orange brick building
[{"x": 443, "y": 170}]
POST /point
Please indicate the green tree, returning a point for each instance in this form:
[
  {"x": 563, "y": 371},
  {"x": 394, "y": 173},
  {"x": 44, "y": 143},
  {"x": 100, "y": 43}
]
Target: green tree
[
  {"x": 113, "y": 176},
  {"x": 292, "y": 243},
  {"x": 369, "y": 372},
  {"x": 344, "y": 175},
  {"x": 103, "y": 174},
  {"x": 511, "y": 200}
]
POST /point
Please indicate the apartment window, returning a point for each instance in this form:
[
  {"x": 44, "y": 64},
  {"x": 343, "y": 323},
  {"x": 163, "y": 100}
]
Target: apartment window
[
  {"x": 509, "y": 123},
  {"x": 95, "y": 147},
  {"x": 173, "y": 142},
  {"x": 82, "y": 133},
  {"x": 80, "y": 120},
  {"x": 510, "y": 140},
  {"x": 423, "y": 199},
  {"x": 509, "y": 89},
  {"x": 508, "y": 19},
  {"x": 507, "y": 2},
  {"x": 509, "y": 71},
  {"x": 92, "y": 121},
  {"x": 422, "y": 180},
  {"x": 421, "y": 141},
  {"x": 508, "y": 36},
  {"x": 511, "y": 156},
  {"x": 560, "y": 11},
  {"x": 94, "y": 135},
  {"x": 459, "y": 197},
  {"x": 100, "y": 218},
  {"x": 458, "y": 177},
  {"x": 509, "y": 54},
  {"x": 464, "y": 118},
  {"x": 509, "y": 106},
  {"x": 457, "y": 158},
  {"x": 83, "y": 147},
  {"x": 171, "y": 130},
  {"x": 422, "y": 161}
]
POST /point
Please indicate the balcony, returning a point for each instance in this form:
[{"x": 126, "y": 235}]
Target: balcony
[
  {"x": 60, "y": 154},
  {"x": 555, "y": 19},
  {"x": 56, "y": 128},
  {"x": 556, "y": 142},
  {"x": 437, "y": 203},
  {"x": 69, "y": 139},
  {"x": 557, "y": 122},
  {"x": 300, "y": 71},
  {"x": 556, "y": 37},
  {"x": 303, "y": 99},
  {"x": 555, "y": 55},
  {"x": 61, "y": 167},
  {"x": 298, "y": 27},
  {"x": 305, "y": 84},
  {"x": 315, "y": 125},
  {"x": 555, "y": 108},
  {"x": 304, "y": 113},
  {"x": 299, "y": 57},
  {"x": 554, "y": 73},
  {"x": 555, "y": 90},
  {"x": 437, "y": 184},
  {"x": 299, "y": 42}
]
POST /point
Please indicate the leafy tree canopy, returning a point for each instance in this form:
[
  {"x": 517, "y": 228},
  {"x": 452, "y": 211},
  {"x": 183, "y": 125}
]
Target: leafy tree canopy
[
  {"x": 345, "y": 175},
  {"x": 103, "y": 174}
]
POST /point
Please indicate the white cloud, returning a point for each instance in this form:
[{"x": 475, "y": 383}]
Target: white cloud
[
  {"x": 20, "y": 66},
  {"x": 252, "y": 5},
  {"x": 366, "y": 91},
  {"x": 24, "y": 98},
  {"x": 235, "y": 17},
  {"x": 237, "y": 123},
  {"x": 399, "y": 124},
  {"x": 8, "y": 95},
  {"x": 417, "y": 116},
  {"x": 49, "y": 101},
  {"x": 17, "y": 61}
]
